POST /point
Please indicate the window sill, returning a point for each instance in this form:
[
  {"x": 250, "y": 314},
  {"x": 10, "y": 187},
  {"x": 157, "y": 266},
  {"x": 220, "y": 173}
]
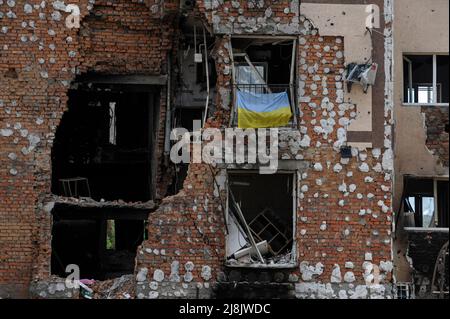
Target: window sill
[
  {"x": 426, "y": 230},
  {"x": 291, "y": 265},
  {"x": 426, "y": 104}
]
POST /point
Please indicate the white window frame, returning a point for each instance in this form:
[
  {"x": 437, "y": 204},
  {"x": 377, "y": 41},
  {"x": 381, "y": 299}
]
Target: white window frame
[
  {"x": 264, "y": 76},
  {"x": 435, "y": 179},
  {"x": 434, "y": 84}
]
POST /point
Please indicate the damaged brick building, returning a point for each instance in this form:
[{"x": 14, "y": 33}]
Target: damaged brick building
[{"x": 88, "y": 102}]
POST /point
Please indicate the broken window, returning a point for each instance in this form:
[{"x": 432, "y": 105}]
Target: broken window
[
  {"x": 196, "y": 76},
  {"x": 251, "y": 78},
  {"x": 426, "y": 202},
  {"x": 101, "y": 239},
  {"x": 184, "y": 118},
  {"x": 426, "y": 79},
  {"x": 264, "y": 67},
  {"x": 261, "y": 219},
  {"x": 106, "y": 141},
  {"x": 111, "y": 235}
]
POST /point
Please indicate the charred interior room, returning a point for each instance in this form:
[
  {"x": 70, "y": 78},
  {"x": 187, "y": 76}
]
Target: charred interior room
[
  {"x": 426, "y": 202},
  {"x": 104, "y": 146},
  {"x": 101, "y": 238},
  {"x": 420, "y": 73},
  {"x": 260, "y": 219},
  {"x": 196, "y": 84},
  {"x": 103, "y": 163}
]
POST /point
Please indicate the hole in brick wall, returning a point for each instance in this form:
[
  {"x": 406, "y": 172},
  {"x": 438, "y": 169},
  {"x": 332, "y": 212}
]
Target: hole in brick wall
[
  {"x": 192, "y": 91},
  {"x": 11, "y": 73},
  {"x": 267, "y": 205},
  {"x": 102, "y": 242},
  {"x": 104, "y": 146}
]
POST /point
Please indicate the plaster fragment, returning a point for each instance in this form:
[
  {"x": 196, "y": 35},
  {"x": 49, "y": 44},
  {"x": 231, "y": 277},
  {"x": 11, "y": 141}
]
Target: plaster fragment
[
  {"x": 142, "y": 275},
  {"x": 158, "y": 275},
  {"x": 336, "y": 276},
  {"x": 349, "y": 277},
  {"x": 364, "y": 168},
  {"x": 337, "y": 168},
  {"x": 318, "y": 167}
]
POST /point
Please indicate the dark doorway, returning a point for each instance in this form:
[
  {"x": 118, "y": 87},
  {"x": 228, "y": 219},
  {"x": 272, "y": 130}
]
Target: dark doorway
[
  {"x": 106, "y": 141},
  {"x": 101, "y": 241}
]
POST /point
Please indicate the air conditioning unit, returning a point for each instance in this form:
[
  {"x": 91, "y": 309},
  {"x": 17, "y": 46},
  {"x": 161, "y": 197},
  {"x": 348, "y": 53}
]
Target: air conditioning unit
[{"x": 364, "y": 74}]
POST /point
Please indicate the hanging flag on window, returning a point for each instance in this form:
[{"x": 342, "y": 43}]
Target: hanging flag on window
[{"x": 256, "y": 110}]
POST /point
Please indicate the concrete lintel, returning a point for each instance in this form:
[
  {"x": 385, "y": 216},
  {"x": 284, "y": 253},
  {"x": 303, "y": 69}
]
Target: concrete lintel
[
  {"x": 127, "y": 79},
  {"x": 284, "y": 166}
]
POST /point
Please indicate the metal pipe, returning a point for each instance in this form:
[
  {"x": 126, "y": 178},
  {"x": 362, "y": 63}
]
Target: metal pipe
[
  {"x": 168, "y": 106},
  {"x": 233, "y": 74},
  {"x": 205, "y": 117},
  {"x": 291, "y": 81},
  {"x": 247, "y": 228}
]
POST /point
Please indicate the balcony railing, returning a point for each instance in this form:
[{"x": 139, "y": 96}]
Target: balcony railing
[{"x": 265, "y": 88}]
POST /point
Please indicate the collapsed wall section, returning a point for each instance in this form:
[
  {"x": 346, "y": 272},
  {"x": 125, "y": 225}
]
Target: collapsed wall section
[
  {"x": 39, "y": 58},
  {"x": 436, "y": 123}
]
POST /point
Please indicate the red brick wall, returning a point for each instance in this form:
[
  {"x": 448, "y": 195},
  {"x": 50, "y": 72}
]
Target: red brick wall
[
  {"x": 321, "y": 202},
  {"x": 248, "y": 9},
  {"x": 39, "y": 57}
]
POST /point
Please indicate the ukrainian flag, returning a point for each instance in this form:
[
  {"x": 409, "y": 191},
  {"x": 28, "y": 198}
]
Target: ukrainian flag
[{"x": 263, "y": 110}]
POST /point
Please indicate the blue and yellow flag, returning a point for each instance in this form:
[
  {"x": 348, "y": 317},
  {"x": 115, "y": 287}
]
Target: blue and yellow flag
[{"x": 257, "y": 110}]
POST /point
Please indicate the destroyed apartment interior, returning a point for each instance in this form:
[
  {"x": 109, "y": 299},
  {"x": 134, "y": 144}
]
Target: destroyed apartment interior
[{"x": 348, "y": 100}]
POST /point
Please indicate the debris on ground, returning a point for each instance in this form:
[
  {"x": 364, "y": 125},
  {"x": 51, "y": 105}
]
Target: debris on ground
[{"x": 119, "y": 288}]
